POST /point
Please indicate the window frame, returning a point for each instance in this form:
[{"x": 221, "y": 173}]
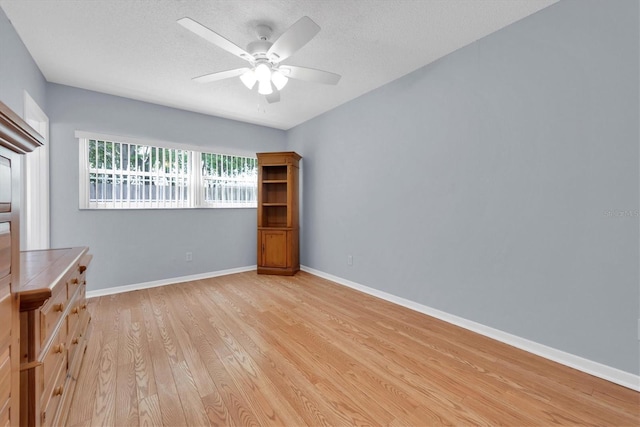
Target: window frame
[{"x": 196, "y": 180}]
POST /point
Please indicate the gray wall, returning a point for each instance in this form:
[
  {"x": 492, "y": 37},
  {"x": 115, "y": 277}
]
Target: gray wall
[
  {"x": 135, "y": 246},
  {"x": 481, "y": 184},
  {"x": 18, "y": 71}
]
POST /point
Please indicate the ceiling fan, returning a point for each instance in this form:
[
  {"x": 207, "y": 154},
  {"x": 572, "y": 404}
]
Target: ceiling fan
[{"x": 265, "y": 56}]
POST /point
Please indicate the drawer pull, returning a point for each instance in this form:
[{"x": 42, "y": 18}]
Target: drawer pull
[
  {"x": 58, "y": 391},
  {"x": 74, "y": 310},
  {"x": 74, "y": 281},
  {"x": 58, "y": 348},
  {"x": 59, "y": 307},
  {"x": 75, "y": 341},
  {"x": 84, "y": 306},
  {"x": 82, "y": 268}
]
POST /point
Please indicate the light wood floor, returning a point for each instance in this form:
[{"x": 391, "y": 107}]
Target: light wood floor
[{"x": 266, "y": 350}]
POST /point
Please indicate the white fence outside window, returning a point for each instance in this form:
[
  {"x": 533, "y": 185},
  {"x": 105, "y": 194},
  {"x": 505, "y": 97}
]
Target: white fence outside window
[
  {"x": 127, "y": 175},
  {"x": 229, "y": 180}
]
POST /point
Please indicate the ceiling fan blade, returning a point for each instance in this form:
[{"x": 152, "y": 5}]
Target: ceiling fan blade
[
  {"x": 310, "y": 74},
  {"x": 273, "y": 97},
  {"x": 220, "y": 75},
  {"x": 215, "y": 38},
  {"x": 293, "y": 39}
]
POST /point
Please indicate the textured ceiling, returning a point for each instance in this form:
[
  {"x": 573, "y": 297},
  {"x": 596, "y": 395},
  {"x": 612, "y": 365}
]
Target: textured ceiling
[{"x": 137, "y": 50}]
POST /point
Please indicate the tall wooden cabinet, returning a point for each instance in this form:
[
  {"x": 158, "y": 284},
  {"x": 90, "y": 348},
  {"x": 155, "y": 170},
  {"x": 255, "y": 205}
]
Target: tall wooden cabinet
[
  {"x": 16, "y": 138},
  {"x": 278, "y": 213}
]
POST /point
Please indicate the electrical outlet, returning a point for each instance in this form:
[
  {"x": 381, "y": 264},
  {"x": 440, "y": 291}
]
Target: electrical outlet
[
  {"x": 188, "y": 257},
  {"x": 349, "y": 260}
]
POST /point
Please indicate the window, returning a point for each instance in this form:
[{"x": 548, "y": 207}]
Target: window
[
  {"x": 229, "y": 180},
  {"x": 121, "y": 173}
]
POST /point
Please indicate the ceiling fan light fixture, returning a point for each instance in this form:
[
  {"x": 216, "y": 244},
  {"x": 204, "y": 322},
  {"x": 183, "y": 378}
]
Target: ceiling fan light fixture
[
  {"x": 278, "y": 79},
  {"x": 249, "y": 79},
  {"x": 264, "y": 87},
  {"x": 263, "y": 72}
]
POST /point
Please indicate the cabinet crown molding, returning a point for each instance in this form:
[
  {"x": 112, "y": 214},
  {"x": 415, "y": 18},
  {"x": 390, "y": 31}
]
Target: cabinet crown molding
[{"x": 16, "y": 134}]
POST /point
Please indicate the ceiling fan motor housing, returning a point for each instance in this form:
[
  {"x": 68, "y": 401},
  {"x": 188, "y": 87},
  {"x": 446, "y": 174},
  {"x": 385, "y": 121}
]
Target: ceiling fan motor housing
[
  {"x": 263, "y": 32},
  {"x": 259, "y": 48}
]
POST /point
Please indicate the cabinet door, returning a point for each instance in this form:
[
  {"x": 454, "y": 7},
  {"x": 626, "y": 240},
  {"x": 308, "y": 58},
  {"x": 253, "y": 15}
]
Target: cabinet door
[
  {"x": 274, "y": 248},
  {"x": 5, "y": 184},
  {"x": 5, "y": 249}
]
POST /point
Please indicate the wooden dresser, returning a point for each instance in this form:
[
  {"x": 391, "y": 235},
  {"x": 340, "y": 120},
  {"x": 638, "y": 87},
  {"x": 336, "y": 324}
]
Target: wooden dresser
[
  {"x": 54, "y": 322},
  {"x": 16, "y": 138}
]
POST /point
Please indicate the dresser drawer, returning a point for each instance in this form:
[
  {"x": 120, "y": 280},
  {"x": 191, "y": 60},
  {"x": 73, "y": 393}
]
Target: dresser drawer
[
  {"x": 77, "y": 321},
  {"x": 51, "y": 314},
  {"x": 5, "y": 249},
  {"x": 75, "y": 343},
  {"x": 73, "y": 319},
  {"x": 84, "y": 263},
  {"x": 51, "y": 400},
  {"x": 73, "y": 283},
  {"x": 78, "y": 277},
  {"x": 55, "y": 357}
]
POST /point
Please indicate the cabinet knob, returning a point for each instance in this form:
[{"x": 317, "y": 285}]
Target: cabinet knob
[
  {"x": 58, "y": 348},
  {"x": 58, "y": 391},
  {"x": 75, "y": 341},
  {"x": 74, "y": 281},
  {"x": 58, "y": 307},
  {"x": 74, "y": 310},
  {"x": 84, "y": 306}
]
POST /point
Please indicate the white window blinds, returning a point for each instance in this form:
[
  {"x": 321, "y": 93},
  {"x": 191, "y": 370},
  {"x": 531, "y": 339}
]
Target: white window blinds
[{"x": 131, "y": 175}]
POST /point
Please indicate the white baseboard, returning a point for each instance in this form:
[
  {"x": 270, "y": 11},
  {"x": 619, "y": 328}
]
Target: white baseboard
[
  {"x": 599, "y": 370},
  {"x": 164, "y": 282}
]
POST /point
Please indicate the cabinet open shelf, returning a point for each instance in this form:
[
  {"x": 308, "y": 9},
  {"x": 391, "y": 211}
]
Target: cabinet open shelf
[
  {"x": 274, "y": 193},
  {"x": 274, "y": 173},
  {"x": 274, "y": 216}
]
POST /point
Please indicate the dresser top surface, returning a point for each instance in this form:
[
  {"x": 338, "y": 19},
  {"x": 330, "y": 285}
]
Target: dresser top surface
[{"x": 40, "y": 271}]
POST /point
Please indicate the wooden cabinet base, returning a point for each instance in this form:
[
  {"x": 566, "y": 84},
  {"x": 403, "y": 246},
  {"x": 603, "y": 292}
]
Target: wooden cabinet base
[
  {"x": 278, "y": 251},
  {"x": 277, "y": 271}
]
